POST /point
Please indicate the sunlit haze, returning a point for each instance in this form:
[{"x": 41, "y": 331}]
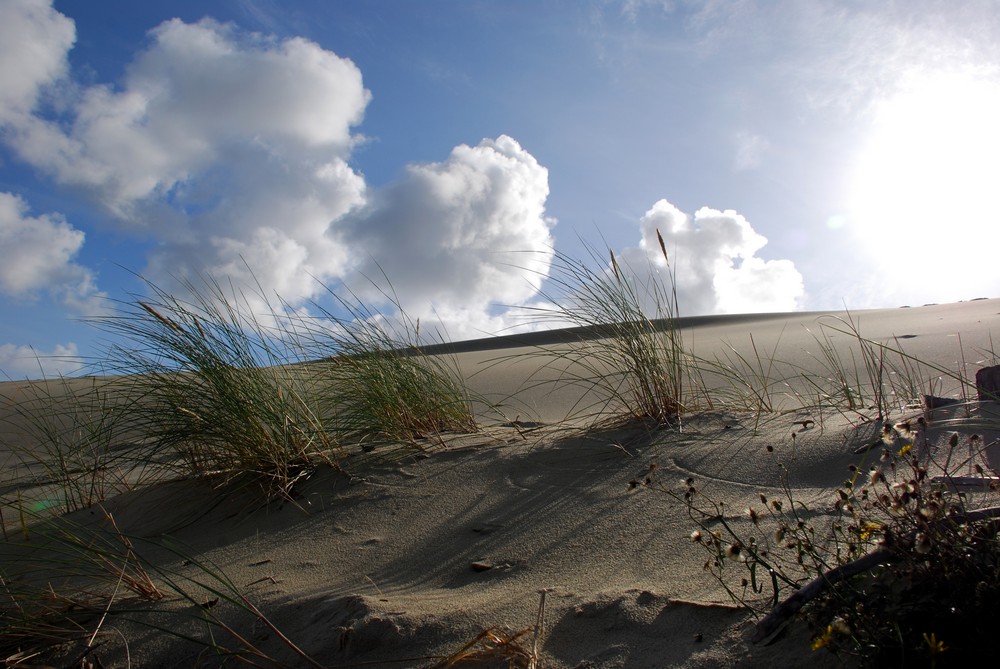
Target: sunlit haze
[{"x": 924, "y": 188}]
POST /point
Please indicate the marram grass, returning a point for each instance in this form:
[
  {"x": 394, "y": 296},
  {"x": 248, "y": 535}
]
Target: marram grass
[
  {"x": 220, "y": 388},
  {"x": 202, "y": 386},
  {"x": 385, "y": 387},
  {"x": 632, "y": 361},
  {"x": 274, "y": 395}
]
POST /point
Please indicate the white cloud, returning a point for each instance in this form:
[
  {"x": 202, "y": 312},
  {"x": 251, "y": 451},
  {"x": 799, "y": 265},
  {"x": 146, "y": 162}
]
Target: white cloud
[
  {"x": 227, "y": 148},
  {"x": 36, "y": 255},
  {"x": 196, "y": 93},
  {"x": 713, "y": 255},
  {"x": 18, "y": 362},
  {"x": 459, "y": 237},
  {"x": 34, "y": 41},
  {"x": 230, "y": 151}
]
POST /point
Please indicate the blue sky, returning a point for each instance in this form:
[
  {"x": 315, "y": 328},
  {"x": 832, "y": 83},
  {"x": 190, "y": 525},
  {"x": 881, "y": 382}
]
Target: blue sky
[{"x": 795, "y": 154}]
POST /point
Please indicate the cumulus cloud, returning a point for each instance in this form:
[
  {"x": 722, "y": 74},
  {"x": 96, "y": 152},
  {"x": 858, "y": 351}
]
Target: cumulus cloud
[
  {"x": 713, "y": 255},
  {"x": 459, "y": 237},
  {"x": 34, "y": 41},
  {"x": 25, "y": 362},
  {"x": 229, "y": 149},
  {"x": 195, "y": 93},
  {"x": 36, "y": 255}
]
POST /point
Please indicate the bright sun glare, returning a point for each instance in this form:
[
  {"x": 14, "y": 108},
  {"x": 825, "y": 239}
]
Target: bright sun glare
[{"x": 929, "y": 173}]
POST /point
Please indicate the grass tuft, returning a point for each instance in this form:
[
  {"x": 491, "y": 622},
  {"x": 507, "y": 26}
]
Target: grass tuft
[
  {"x": 71, "y": 438},
  {"x": 630, "y": 358},
  {"x": 222, "y": 389},
  {"x": 386, "y": 389}
]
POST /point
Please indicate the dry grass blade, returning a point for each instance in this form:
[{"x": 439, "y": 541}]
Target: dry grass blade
[
  {"x": 499, "y": 644},
  {"x": 62, "y": 600},
  {"x": 139, "y": 583},
  {"x": 539, "y": 631},
  {"x": 491, "y": 645}
]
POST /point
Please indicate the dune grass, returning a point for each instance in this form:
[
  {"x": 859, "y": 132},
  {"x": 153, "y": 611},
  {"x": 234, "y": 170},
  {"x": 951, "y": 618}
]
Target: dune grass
[
  {"x": 385, "y": 388},
  {"x": 200, "y": 386},
  {"x": 630, "y": 360},
  {"x": 853, "y": 375},
  {"x": 72, "y": 437},
  {"x": 222, "y": 387},
  {"x": 273, "y": 395}
]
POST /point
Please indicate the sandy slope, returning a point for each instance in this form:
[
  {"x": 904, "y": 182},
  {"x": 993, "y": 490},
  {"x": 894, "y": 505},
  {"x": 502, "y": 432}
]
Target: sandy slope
[{"x": 376, "y": 565}]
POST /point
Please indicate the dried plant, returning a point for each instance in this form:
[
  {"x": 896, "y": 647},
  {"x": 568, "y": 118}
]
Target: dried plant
[{"x": 901, "y": 565}]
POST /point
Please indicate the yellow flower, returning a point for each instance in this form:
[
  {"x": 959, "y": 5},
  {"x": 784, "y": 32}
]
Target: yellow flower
[
  {"x": 905, "y": 449},
  {"x": 824, "y": 639},
  {"x": 838, "y": 626},
  {"x": 868, "y": 529},
  {"x": 934, "y": 645}
]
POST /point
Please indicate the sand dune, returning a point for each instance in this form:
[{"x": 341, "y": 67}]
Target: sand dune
[{"x": 394, "y": 561}]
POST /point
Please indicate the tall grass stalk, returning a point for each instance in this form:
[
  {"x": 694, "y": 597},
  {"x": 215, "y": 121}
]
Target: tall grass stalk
[
  {"x": 746, "y": 382},
  {"x": 875, "y": 375},
  {"x": 866, "y": 378}
]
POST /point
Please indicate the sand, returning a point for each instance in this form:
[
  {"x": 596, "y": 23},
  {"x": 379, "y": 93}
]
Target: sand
[{"x": 393, "y": 562}]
